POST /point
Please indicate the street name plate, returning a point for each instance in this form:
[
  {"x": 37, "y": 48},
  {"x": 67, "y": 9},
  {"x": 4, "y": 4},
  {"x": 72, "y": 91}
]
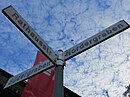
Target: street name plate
[
  {"x": 96, "y": 39},
  {"x": 29, "y": 73},
  {"x": 29, "y": 32}
]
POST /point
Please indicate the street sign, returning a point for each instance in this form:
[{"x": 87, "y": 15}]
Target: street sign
[
  {"x": 29, "y": 73},
  {"x": 29, "y": 32},
  {"x": 96, "y": 39}
]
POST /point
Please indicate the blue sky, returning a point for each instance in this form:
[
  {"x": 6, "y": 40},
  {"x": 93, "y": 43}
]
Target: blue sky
[{"x": 105, "y": 67}]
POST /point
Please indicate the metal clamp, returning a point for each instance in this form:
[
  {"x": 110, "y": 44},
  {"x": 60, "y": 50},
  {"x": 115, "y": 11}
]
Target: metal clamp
[{"x": 60, "y": 59}]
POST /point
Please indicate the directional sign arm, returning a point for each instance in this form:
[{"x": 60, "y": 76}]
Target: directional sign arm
[
  {"x": 29, "y": 32},
  {"x": 29, "y": 73},
  {"x": 96, "y": 39}
]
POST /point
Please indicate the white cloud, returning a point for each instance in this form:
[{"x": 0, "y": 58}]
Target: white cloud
[{"x": 102, "y": 68}]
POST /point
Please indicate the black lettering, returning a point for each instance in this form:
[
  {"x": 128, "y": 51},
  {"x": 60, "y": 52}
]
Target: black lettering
[
  {"x": 104, "y": 34},
  {"x": 28, "y": 29},
  {"x": 28, "y": 73},
  {"x": 21, "y": 76},
  {"x": 20, "y": 22},
  {"x": 114, "y": 28},
  {"x": 32, "y": 70},
  {"x": 15, "y": 16},
  {"x": 47, "y": 49},
  {"x": 77, "y": 48},
  {"x": 108, "y": 31},
  {"x": 73, "y": 50},
  {"x": 67, "y": 53},
  {"x": 44, "y": 66},
  {"x": 24, "y": 25},
  {"x": 18, "y": 78},
  {"x": 39, "y": 67},
  {"x": 40, "y": 43},
  {"x": 90, "y": 41},
  {"x": 86, "y": 43},
  {"x": 36, "y": 38},
  {"x": 32, "y": 34},
  {"x": 50, "y": 53},
  {"x": 99, "y": 36},
  {"x": 95, "y": 39},
  {"x": 48, "y": 63},
  {"x": 81, "y": 46},
  {"x": 44, "y": 47},
  {"x": 35, "y": 70},
  {"x": 120, "y": 26}
]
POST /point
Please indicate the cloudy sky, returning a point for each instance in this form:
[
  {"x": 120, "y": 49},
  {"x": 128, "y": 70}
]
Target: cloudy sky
[{"x": 101, "y": 71}]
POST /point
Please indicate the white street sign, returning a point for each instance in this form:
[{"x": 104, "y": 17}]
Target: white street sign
[
  {"x": 29, "y": 32},
  {"x": 29, "y": 73},
  {"x": 96, "y": 39}
]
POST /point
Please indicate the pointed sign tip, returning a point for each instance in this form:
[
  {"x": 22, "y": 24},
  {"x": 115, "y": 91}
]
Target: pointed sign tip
[
  {"x": 6, "y": 8},
  {"x": 4, "y": 87}
]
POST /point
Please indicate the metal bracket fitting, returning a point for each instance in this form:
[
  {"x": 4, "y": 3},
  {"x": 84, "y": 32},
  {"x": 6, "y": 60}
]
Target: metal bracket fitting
[{"x": 60, "y": 59}]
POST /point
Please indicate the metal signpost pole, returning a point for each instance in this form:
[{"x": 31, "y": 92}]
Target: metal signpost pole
[{"x": 58, "y": 83}]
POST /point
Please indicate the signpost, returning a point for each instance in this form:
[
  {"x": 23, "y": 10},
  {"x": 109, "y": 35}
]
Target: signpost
[
  {"x": 29, "y": 73},
  {"x": 58, "y": 60},
  {"x": 28, "y": 31},
  {"x": 96, "y": 39}
]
